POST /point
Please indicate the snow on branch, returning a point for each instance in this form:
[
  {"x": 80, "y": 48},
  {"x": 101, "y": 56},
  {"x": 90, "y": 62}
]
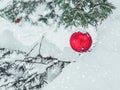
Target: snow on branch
[
  {"x": 27, "y": 72},
  {"x": 66, "y": 12}
]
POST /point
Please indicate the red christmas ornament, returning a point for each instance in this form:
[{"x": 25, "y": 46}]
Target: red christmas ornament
[
  {"x": 17, "y": 20},
  {"x": 80, "y": 42}
]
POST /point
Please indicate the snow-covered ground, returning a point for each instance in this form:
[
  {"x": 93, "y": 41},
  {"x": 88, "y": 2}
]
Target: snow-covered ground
[{"x": 95, "y": 70}]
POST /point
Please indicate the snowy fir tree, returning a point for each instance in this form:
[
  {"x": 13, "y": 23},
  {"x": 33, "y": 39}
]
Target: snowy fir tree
[
  {"x": 21, "y": 70},
  {"x": 66, "y": 12}
]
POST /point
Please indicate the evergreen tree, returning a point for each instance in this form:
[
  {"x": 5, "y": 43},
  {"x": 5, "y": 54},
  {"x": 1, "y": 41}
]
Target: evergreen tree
[
  {"x": 66, "y": 12},
  {"x": 21, "y": 74}
]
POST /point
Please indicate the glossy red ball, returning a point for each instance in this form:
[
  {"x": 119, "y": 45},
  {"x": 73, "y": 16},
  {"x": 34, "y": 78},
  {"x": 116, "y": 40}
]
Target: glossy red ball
[{"x": 80, "y": 42}]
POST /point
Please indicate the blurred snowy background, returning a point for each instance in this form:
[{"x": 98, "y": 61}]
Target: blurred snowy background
[{"x": 95, "y": 70}]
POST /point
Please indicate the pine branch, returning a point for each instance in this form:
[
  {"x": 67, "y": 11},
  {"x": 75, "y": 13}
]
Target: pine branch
[
  {"x": 44, "y": 60},
  {"x": 72, "y": 12},
  {"x": 22, "y": 74}
]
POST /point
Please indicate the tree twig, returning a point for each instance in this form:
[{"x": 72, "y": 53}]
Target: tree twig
[
  {"x": 31, "y": 50},
  {"x": 41, "y": 44}
]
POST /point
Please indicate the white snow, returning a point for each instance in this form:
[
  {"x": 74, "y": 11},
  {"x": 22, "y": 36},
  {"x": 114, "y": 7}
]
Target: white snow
[
  {"x": 95, "y": 70},
  {"x": 99, "y": 69}
]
